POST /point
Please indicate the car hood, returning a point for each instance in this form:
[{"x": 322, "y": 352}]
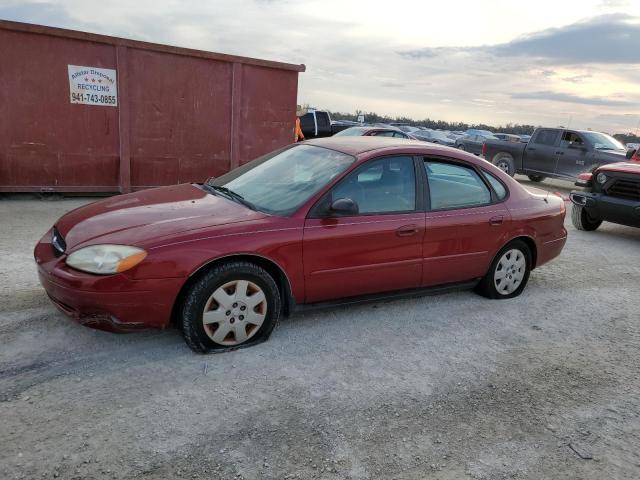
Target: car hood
[
  {"x": 136, "y": 218},
  {"x": 622, "y": 167},
  {"x": 611, "y": 155}
]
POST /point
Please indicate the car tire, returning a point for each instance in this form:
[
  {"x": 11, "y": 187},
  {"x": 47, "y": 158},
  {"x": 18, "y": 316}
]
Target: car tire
[
  {"x": 505, "y": 163},
  {"x": 536, "y": 178},
  {"x": 582, "y": 220},
  {"x": 513, "y": 262},
  {"x": 232, "y": 305},
  {"x": 461, "y": 147}
]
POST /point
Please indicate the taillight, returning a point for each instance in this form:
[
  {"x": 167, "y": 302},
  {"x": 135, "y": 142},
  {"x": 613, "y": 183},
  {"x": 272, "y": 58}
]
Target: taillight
[
  {"x": 484, "y": 148},
  {"x": 563, "y": 207}
]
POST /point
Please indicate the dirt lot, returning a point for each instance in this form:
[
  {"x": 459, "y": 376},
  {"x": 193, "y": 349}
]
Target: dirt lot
[{"x": 545, "y": 386}]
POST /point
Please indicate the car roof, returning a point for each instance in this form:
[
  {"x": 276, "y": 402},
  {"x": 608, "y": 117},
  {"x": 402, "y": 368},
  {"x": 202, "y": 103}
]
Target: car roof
[{"x": 366, "y": 147}]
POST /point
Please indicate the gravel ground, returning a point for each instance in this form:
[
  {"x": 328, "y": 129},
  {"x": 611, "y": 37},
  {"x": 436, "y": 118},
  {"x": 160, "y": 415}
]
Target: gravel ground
[{"x": 545, "y": 386}]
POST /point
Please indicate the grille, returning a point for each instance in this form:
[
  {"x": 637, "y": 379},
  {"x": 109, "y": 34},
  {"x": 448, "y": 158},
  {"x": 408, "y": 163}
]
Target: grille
[
  {"x": 623, "y": 188},
  {"x": 58, "y": 243}
]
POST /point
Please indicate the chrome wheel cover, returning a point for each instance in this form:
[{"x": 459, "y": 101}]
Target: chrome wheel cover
[
  {"x": 509, "y": 272},
  {"x": 234, "y": 312}
]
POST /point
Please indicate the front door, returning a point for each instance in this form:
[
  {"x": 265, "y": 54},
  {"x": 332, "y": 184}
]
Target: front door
[
  {"x": 465, "y": 222},
  {"x": 573, "y": 157},
  {"x": 377, "y": 250}
]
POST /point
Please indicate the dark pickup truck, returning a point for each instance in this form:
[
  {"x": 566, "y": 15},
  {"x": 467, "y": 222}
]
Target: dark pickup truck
[{"x": 555, "y": 152}]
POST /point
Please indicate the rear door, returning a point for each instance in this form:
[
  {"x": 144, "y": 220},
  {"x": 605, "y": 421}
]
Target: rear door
[
  {"x": 377, "y": 250},
  {"x": 466, "y": 221},
  {"x": 540, "y": 152}
]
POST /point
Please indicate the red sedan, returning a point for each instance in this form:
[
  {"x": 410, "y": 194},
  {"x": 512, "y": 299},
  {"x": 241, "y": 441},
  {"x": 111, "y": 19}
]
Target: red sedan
[{"x": 314, "y": 223}]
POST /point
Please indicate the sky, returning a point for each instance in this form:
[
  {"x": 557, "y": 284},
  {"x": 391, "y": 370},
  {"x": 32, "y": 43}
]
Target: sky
[{"x": 572, "y": 63}]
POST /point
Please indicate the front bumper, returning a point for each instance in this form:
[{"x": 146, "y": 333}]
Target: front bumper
[
  {"x": 114, "y": 303},
  {"x": 607, "y": 208}
]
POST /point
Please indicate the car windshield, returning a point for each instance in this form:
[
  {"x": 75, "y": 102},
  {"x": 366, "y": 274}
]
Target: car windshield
[
  {"x": 280, "y": 183},
  {"x": 602, "y": 141},
  {"x": 351, "y": 132}
]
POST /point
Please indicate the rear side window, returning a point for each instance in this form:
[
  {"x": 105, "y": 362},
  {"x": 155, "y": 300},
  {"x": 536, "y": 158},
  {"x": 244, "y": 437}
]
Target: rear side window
[
  {"x": 455, "y": 186},
  {"x": 546, "y": 137},
  {"x": 500, "y": 189}
]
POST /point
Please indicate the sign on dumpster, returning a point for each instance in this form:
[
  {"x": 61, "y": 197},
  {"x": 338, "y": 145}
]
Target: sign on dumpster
[{"x": 93, "y": 86}]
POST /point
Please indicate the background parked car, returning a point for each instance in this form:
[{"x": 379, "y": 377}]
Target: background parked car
[
  {"x": 507, "y": 137},
  {"x": 373, "y": 132},
  {"x": 434, "y": 136},
  {"x": 339, "y": 125},
  {"x": 525, "y": 138},
  {"x": 473, "y": 143}
]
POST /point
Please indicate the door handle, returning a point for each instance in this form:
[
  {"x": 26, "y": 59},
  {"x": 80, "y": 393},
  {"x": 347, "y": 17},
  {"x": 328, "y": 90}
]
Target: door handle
[
  {"x": 495, "y": 221},
  {"x": 531, "y": 149},
  {"x": 407, "y": 230},
  {"x": 559, "y": 153}
]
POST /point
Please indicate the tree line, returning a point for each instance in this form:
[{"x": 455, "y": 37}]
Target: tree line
[{"x": 515, "y": 128}]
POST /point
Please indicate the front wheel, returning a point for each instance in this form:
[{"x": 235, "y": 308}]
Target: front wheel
[
  {"x": 509, "y": 272},
  {"x": 232, "y": 305},
  {"x": 582, "y": 220},
  {"x": 461, "y": 147}
]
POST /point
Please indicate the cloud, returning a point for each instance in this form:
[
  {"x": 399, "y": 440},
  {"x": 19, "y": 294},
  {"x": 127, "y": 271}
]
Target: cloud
[
  {"x": 605, "y": 39},
  {"x": 568, "y": 98}
]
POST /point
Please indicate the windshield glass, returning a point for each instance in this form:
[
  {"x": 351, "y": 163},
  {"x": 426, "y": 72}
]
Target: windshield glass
[
  {"x": 350, "y": 132},
  {"x": 602, "y": 141},
  {"x": 281, "y": 183}
]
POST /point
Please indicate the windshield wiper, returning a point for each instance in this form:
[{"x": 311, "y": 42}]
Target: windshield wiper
[{"x": 231, "y": 195}]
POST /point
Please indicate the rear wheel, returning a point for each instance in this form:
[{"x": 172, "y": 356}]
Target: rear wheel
[
  {"x": 582, "y": 220},
  {"x": 505, "y": 163},
  {"x": 509, "y": 272},
  {"x": 536, "y": 178},
  {"x": 461, "y": 147},
  {"x": 233, "y": 305}
]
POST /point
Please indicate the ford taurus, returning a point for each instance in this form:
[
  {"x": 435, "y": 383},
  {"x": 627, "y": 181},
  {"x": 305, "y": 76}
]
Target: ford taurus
[{"x": 317, "y": 223}]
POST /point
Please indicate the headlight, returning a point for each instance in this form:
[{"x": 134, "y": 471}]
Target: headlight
[
  {"x": 106, "y": 259},
  {"x": 601, "y": 178}
]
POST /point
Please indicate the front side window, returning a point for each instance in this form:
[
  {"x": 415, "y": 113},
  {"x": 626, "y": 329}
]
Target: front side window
[
  {"x": 381, "y": 186},
  {"x": 455, "y": 186},
  {"x": 281, "y": 183},
  {"x": 571, "y": 138}
]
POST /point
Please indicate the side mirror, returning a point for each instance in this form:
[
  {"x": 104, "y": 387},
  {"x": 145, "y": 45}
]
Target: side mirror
[
  {"x": 630, "y": 153},
  {"x": 344, "y": 207}
]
